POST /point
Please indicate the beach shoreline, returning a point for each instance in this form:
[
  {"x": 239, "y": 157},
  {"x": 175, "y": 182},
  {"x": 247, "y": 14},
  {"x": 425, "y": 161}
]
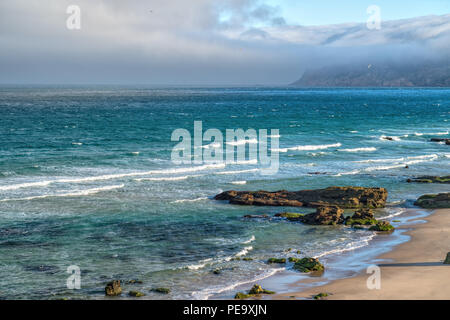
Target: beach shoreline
[{"x": 411, "y": 270}]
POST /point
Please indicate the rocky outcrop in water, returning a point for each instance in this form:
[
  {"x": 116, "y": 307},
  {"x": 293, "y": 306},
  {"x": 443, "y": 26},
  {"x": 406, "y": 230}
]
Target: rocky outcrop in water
[
  {"x": 113, "y": 288},
  {"x": 382, "y": 226},
  {"x": 254, "y": 291},
  {"x": 343, "y": 197},
  {"x": 324, "y": 216},
  {"x": 361, "y": 217},
  {"x": 430, "y": 179},
  {"x": 309, "y": 265},
  {"x": 434, "y": 201},
  {"x": 445, "y": 140}
]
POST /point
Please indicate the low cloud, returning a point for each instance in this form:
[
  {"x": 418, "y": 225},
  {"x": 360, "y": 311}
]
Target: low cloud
[{"x": 199, "y": 42}]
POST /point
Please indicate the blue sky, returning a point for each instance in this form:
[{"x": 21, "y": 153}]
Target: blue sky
[{"x": 323, "y": 12}]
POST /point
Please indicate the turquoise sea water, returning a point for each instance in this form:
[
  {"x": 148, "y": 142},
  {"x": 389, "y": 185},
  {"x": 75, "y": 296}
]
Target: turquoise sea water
[{"x": 86, "y": 179}]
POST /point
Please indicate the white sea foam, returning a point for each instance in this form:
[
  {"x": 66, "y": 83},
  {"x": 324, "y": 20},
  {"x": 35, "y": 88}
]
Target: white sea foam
[
  {"x": 206, "y": 293},
  {"x": 169, "y": 178},
  {"x": 243, "y": 252},
  {"x": 237, "y": 171},
  {"x": 239, "y": 182},
  {"x": 418, "y": 134},
  {"x": 396, "y": 213},
  {"x": 363, "y": 242},
  {"x": 252, "y": 238},
  {"x": 77, "y": 143},
  {"x": 111, "y": 176},
  {"x": 243, "y": 141},
  {"x": 200, "y": 265},
  {"x": 69, "y": 194},
  {"x": 441, "y": 133},
  {"x": 190, "y": 200},
  {"x": 368, "y": 149},
  {"x": 244, "y": 162},
  {"x": 309, "y": 147}
]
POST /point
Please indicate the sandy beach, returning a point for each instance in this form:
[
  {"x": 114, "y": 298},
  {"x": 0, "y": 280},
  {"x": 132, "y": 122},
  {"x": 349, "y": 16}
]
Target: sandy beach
[{"x": 413, "y": 270}]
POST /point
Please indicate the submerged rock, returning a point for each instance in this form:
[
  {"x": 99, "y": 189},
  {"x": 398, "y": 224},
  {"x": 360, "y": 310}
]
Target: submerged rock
[
  {"x": 309, "y": 265},
  {"x": 291, "y": 216},
  {"x": 434, "y": 201},
  {"x": 430, "y": 179},
  {"x": 113, "y": 288},
  {"x": 324, "y": 216},
  {"x": 343, "y": 197},
  {"x": 256, "y": 216},
  {"x": 161, "y": 290},
  {"x": 445, "y": 140},
  {"x": 136, "y": 294},
  {"x": 382, "y": 226},
  {"x": 276, "y": 260},
  {"x": 447, "y": 259},
  {"x": 134, "y": 281}
]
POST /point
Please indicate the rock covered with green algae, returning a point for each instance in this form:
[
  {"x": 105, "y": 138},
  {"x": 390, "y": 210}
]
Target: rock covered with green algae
[
  {"x": 113, "y": 288},
  {"x": 308, "y": 265},
  {"x": 430, "y": 179},
  {"x": 276, "y": 260},
  {"x": 291, "y": 216},
  {"x": 382, "y": 226},
  {"x": 361, "y": 217},
  {"x": 161, "y": 290},
  {"x": 257, "y": 289},
  {"x": 136, "y": 294},
  {"x": 320, "y": 296},
  {"x": 434, "y": 201},
  {"x": 254, "y": 291}
]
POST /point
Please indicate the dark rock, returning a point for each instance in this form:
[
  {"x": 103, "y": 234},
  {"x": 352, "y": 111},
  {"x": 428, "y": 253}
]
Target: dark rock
[
  {"x": 430, "y": 179},
  {"x": 388, "y": 138},
  {"x": 382, "y": 226},
  {"x": 134, "y": 281},
  {"x": 256, "y": 216},
  {"x": 309, "y": 265},
  {"x": 447, "y": 259},
  {"x": 113, "y": 288},
  {"x": 43, "y": 268},
  {"x": 276, "y": 260},
  {"x": 361, "y": 217},
  {"x": 343, "y": 197},
  {"x": 161, "y": 290},
  {"x": 324, "y": 216},
  {"x": 434, "y": 201},
  {"x": 445, "y": 140},
  {"x": 363, "y": 214}
]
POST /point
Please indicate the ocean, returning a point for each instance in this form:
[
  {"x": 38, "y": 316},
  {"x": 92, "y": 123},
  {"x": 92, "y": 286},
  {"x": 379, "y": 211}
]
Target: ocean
[{"x": 86, "y": 179}]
